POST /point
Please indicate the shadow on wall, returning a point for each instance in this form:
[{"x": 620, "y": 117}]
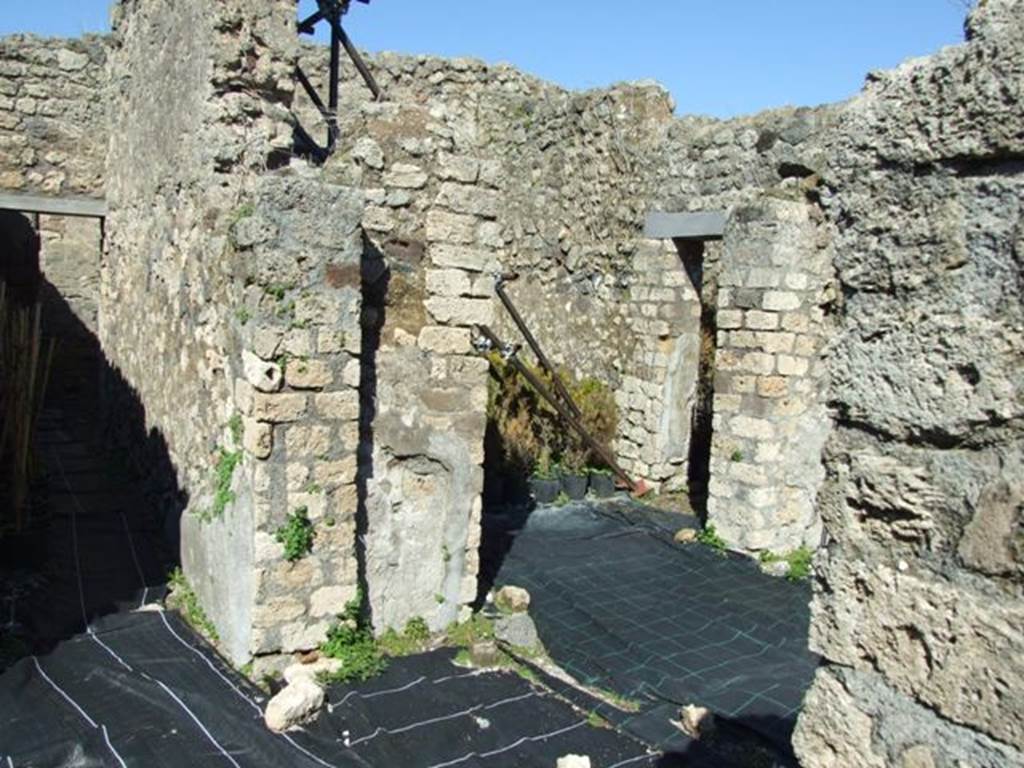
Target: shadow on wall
[
  {"x": 108, "y": 503},
  {"x": 375, "y": 278}
]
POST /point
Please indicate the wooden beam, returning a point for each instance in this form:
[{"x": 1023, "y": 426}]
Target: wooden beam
[
  {"x": 55, "y": 205},
  {"x": 704, "y": 225}
]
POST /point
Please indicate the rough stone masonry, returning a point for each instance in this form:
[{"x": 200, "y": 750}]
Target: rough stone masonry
[{"x": 864, "y": 308}]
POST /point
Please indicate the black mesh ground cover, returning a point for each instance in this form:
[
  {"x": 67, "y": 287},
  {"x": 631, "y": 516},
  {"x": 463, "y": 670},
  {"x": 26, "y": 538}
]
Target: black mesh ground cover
[
  {"x": 621, "y": 606},
  {"x": 140, "y": 689},
  {"x": 117, "y": 682}
]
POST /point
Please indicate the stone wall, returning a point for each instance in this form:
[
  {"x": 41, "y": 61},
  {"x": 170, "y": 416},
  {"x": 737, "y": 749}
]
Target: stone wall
[
  {"x": 53, "y": 140},
  {"x": 52, "y": 114},
  {"x": 917, "y": 605},
  {"x": 429, "y": 220},
  {"x": 230, "y": 307},
  {"x": 770, "y": 420},
  {"x": 561, "y": 193}
]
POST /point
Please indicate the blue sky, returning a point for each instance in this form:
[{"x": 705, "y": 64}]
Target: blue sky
[{"x": 720, "y": 58}]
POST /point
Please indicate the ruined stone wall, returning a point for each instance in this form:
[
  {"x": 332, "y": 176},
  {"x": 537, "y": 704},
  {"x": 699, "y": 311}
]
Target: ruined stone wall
[
  {"x": 918, "y": 602},
  {"x": 230, "y": 314},
  {"x": 429, "y": 220},
  {"x": 770, "y": 420},
  {"x": 52, "y": 114},
  {"x": 53, "y": 139},
  {"x": 560, "y": 195}
]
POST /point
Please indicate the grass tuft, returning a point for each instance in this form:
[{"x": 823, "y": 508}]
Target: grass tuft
[
  {"x": 709, "y": 537},
  {"x": 184, "y": 599}
]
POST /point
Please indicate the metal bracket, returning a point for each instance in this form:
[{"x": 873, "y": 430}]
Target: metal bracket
[{"x": 331, "y": 13}]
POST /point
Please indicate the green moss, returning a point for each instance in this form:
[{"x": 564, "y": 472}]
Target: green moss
[
  {"x": 594, "y": 720},
  {"x": 736, "y": 457},
  {"x": 463, "y": 635},
  {"x": 799, "y": 561},
  {"x": 351, "y": 641},
  {"x": 237, "y": 429},
  {"x": 184, "y": 599},
  {"x": 709, "y": 537},
  {"x": 414, "y": 639},
  {"x": 227, "y": 462},
  {"x": 296, "y": 535}
]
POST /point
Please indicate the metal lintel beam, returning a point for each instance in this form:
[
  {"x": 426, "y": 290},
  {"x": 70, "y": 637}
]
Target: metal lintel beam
[
  {"x": 704, "y": 225},
  {"x": 64, "y": 205}
]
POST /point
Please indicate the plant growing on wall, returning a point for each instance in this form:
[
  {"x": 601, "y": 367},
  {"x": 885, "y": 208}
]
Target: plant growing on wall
[
  {"x": 296, "y": 535},
  {"x": 534, "y": 438},
  {"x": 351, "y": 640}
]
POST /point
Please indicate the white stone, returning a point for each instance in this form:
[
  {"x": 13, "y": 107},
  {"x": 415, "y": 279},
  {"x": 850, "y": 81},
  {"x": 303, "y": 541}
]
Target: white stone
[
  {"x": 263, "y": 376},
  {"x": 297, "y": 703},
  {"x": 513, "y": 599},
  {"x": 298, "y": 672},
  {"x": 573, "y": 761},
  {"x": 406, "y": 176},
  {"x": 369, "y": 151}
]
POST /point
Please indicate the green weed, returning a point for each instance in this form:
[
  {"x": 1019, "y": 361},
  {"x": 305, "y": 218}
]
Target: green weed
[
  {"x": 224, "y": 470},
  {"x": 709, "y": 537},
  {"x": 351, "y": 641},
  {"x": 184, "y": 599},
  {"x": 296, "y": 535}
]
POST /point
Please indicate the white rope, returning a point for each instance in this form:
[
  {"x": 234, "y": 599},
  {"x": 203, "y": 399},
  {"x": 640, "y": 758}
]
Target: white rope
[
  {"x": 520, "y": 742},
  {"x": 198, "y": 722},
  {"x": 82, "y": 712},
  {"x": 431, "y": 721},
  {"x": 135, "y": 558},
  {"x": 210, "y": 664}
]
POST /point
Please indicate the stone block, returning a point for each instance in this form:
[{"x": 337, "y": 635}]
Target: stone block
[
  {"x": 464, "y": 198},
  {"x": 780, "y": 301},
  {"x": 330, "y": 601},
  {"x": 331, "y": 475},
  {"x": 458, "y": 168},
  {"x": 307, "y": 441},
  {"x": 444, "y": 340},
  {"x": 775, "y": 342},
  {"x": 308, "y": 374},
  {"x": 757, "y": 362},
  {"x": 470, "y": 259},
  {"x": 448, "y": 282},
  {"x": 760, "y": 321},
  {"x": 379, "y": 218},
  {"x": 279, "y": 408},
  {"x": 756, "y": 429},
  {"x": 730, "y": 319},
  {"x": 257, "y": 438},
  {"x": 338, "y": 405},
  {"x": 772, "y": 386},
  {"x": 461, "y": 311},
  {"x": 792, "y": 366},
  {"x": 453, "y": 228},
  {"x": 406, "y": 176}
]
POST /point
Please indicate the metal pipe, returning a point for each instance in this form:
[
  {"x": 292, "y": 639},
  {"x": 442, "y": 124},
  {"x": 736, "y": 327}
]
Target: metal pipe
[
  {"x": 361, "y": 67},
  {"x": 499, "y": 288},
  {"x": 308, "y": 25},
  {"x": 307, "y": 86},
  {"x": 526, "y": 373},
  {"x": 333, "y": 87}
]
